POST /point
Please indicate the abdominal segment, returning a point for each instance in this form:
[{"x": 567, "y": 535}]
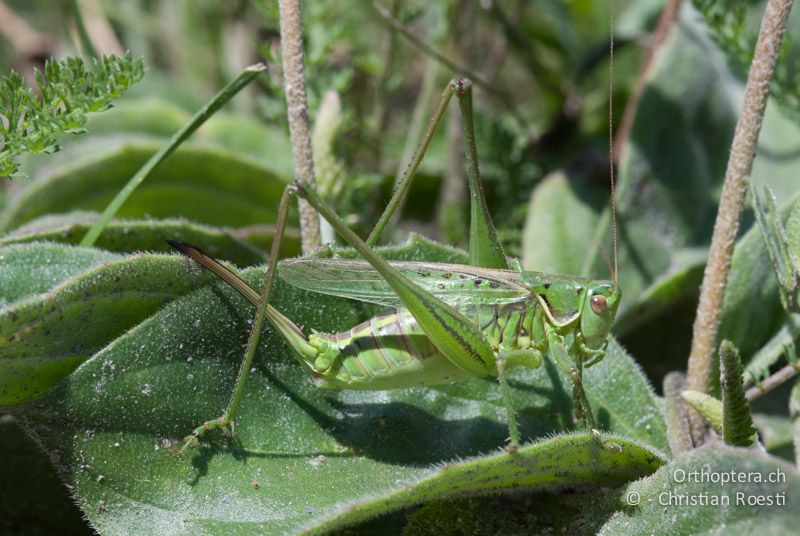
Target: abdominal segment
[{"x": 391, "y": 351}]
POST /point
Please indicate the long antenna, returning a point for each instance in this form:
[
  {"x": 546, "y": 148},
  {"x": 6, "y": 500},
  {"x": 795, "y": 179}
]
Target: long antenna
[{"x": 611, "y": 136}]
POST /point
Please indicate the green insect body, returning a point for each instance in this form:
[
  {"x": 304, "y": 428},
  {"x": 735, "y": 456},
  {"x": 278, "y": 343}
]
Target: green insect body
[
  {"x": 447, "y": 322},
  {"x": 391, "y": 351},
  {"x": 385, "y": 352},
  {"x": 518, "y": 313}
]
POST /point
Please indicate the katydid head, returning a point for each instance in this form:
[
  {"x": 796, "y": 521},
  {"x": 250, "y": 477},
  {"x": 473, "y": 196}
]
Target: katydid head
[{"x": 598, "y": 311}]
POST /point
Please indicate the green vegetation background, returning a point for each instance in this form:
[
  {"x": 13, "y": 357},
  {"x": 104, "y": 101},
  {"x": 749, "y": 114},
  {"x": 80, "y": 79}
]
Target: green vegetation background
[{"x": 129, "y": 348}]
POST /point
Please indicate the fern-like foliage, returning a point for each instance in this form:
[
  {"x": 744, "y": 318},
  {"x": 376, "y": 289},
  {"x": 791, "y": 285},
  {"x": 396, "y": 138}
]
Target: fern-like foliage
[
  {"x": 68, "y": 90},
  {"x": 728, "y": 23}
]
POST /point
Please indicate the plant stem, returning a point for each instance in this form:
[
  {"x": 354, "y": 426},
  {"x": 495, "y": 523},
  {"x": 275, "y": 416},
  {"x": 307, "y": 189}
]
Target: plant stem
[
  {"x": 244, "y": 78},
  {"x": 680, "y": 440},
  {"x": 740, "y": 163},
  {"x": 297, "y": 110},
  {"x": 783, "y": 375}
]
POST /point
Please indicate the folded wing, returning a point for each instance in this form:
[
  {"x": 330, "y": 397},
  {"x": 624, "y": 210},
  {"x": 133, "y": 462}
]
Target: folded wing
[{"x": 453, "y": 283}]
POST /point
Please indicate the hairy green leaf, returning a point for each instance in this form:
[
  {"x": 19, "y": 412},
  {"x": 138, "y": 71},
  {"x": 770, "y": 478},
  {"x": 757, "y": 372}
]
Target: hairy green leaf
[
  {"x": 777, "y": 243},
  {"x": 128, "y": 236},
  {"x": 35, "y": 268},
  {"x": 44, "y": 337},
  {"x": 205, "y": 184},
  {"x": 759, "y": 495},
  {"x": 752, "y": 312},
  {"x": 578, "y": 514},
  {"x": 562, "y": 217},
  {"x": 677, "y": 285},
  {"x": 775, "y": 433},
  {"x": 793, "y": 233},
  {"x": 300, "y": 451},
  {"x": 552, "y": 464}
]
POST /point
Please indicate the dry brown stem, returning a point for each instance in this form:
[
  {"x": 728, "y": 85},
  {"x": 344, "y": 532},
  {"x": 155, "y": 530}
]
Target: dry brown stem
[
  {"x": 740, "y": 162},
  {"x": 297, "y": 108}
]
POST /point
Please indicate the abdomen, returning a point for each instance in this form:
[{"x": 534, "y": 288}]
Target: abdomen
[
  {"x": 391, "y": 351},
  {"x": 388, "y": 351}
]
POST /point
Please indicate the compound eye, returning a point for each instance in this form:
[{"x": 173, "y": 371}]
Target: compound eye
[{"x": 599, "y": 304}]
